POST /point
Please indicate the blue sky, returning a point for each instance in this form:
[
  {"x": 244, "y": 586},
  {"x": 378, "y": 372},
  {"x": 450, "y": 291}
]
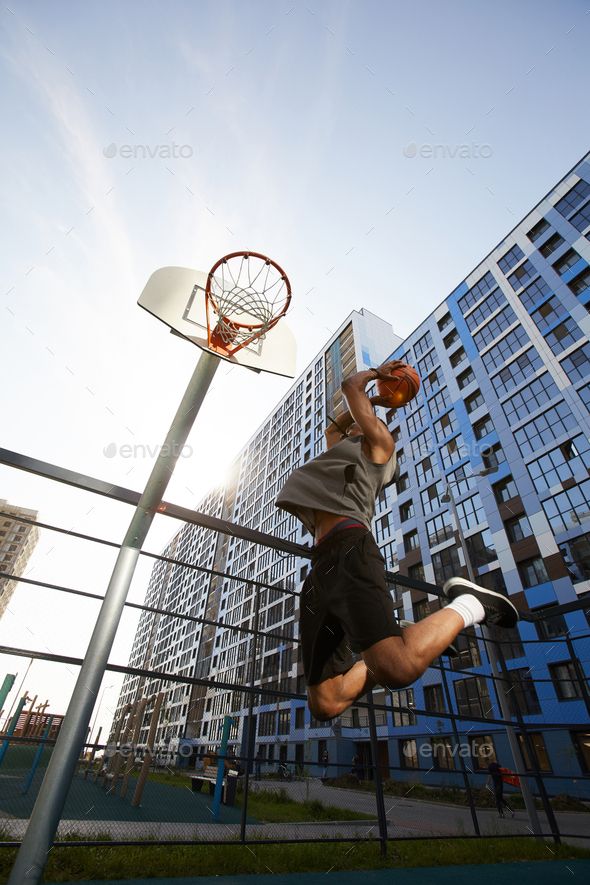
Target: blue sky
[{"x": 378, "y": 151}]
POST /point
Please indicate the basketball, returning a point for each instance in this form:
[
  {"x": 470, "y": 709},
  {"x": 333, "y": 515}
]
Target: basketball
[{"x": 401, "y": 386}]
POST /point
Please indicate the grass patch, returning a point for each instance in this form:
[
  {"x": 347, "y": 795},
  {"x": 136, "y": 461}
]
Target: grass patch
[
  {"x": 270, "y": 806},
  {"x": 71, "y": 864},
  {"x": 482, "y": 797}
]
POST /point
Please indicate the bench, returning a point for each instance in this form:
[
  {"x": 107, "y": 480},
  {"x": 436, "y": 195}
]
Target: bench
[{"x": 209, "y": 776}]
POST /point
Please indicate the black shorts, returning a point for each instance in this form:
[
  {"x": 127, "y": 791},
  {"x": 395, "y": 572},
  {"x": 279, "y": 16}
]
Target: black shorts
[{"x": 345, "y": 606}]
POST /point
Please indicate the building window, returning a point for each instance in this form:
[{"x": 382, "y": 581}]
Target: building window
[
  {"x": 563, "y": 335},
  {"x": 403, "y": 705},
  {"x": 547, "y": 315},
  {"x": 421, "y": 445},
  {"x": 568, "y": 509},
  {"x": 571, "y": 458},
  {"x": 422, "y": 345},
  {"x": 468, "y": 650},
  {"x": 452, "y": 451},
  {"x": 535, "y": 294},
  {"x": 465, "y": 378},
  {"x": 284, "y": 721},
  {"x": 518, "y": 528},
  {"x": 444, "y": 322},
  {"x": 416, "y": 420},
  {"x": 267, "y": 724},
  {"x": 537, "y": 433},
  {"x": 542, "y": 759},
  {"x": 439, "y": 402},
  {"x": 530, "y": 398},
  {"x": 576, "y": 195},
  {"x": 522, "y": 692},
  {"x": 581, "y": 219},
  {"x": 566, "y": 262},
  {"x": 580, "y": 283},
  {"x": 446, "y": 565},
  {"x": 522, "y": 275},
  {"x": 451, "y": 339},
  {"x": 481, "y": 548},
  {"x": 442, "y": 753},
  {"x": 550, "y": 245},
  {"x": 406, "y": 511},
  {"x": 577, "y": 364},
  {"x": 434, "y": 699},
  {"x": 425, "y": 470},
  {"x": 408, "y": 754},
  {"x": 439, "y": 529},
  {"x": 472, "y": 696},
  {"x": 431, "y": 382},
  {"x": 576, "y": 555},
  {"x": 411, "y": 541},
  {"x": 427, "y": 363},
  {"x": 471, "y": 512},
  {"x": 457, "y": 358},
  {"x": 581, "y": 742},
  {"x": 565, "y": 681},
  {"x": 445, "y": 425},
  {"x": 403, "y": 483},
  {"x": 550, "y": 626},
  {"x": 482, "y": 751},
  {"x": 299, "y": 717},
  {"x": 416, "y": 572},
  {"x": 430, "y": 498},
  {"x": 492, "y": 456},
  {"x": 512, "y": 257},
  {"x": 537, "y": 231},
  {"x": 481, "y": 288},
  {"x": 501, "y": 352},
  {"x": 512, "y": 645},
  {"x": 498, "y": 324},
  {"x": 474, "y": 401},
  {"x": 532, "y": 572},
  {"x": 482, "y": 427}
]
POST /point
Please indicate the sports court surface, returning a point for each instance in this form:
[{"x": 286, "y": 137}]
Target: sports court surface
[{"x": 525, "y": 873}]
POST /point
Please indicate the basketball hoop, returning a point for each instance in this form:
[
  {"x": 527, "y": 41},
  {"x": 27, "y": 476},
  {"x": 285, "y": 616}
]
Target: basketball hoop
[{"x": 246, "y": 295}]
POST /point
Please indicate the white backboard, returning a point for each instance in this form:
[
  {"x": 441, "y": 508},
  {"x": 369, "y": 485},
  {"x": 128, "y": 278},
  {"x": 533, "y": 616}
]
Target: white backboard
[{"x": 176, "y": 296}]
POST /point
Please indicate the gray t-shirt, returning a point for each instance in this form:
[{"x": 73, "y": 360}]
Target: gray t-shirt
[{"x": 342, "y": 481}]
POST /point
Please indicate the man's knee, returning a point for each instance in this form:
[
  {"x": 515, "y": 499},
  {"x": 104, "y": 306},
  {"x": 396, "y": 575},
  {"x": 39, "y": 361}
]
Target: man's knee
[{"x": 392, "y": 668}]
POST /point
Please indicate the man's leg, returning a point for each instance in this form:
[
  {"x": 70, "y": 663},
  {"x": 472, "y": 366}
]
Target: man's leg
[{"x": 398, "y": 661}]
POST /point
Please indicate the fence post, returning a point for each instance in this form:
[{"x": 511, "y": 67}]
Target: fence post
[
  {"x": 532, "y": 756},
  {"x": 579, "y": 672},
  {"x": 381, "y": 816},
  {"x": 250, "y": 737},
  {"x": 468, "y": 790}
]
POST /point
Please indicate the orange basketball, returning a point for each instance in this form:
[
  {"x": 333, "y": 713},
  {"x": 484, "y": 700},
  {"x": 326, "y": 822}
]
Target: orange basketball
[{"x": 401, "y": 386}]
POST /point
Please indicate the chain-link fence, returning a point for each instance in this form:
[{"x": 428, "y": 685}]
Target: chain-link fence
[{"x": 483, "y": 747}]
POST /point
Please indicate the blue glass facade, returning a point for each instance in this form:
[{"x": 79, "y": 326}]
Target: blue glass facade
[{"x": 507, "y": 356}]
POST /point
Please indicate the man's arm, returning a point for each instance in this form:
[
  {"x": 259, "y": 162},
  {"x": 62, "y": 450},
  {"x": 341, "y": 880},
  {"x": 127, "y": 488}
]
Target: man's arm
[{"x": 379, "y": 441}]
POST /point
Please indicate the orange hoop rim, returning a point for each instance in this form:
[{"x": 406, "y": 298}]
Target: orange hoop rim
[{"x": 247, "y": 254}]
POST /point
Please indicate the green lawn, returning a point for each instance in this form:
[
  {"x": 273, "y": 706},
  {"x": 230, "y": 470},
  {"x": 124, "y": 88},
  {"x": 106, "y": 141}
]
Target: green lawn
[{"x": 71, "y": 864}]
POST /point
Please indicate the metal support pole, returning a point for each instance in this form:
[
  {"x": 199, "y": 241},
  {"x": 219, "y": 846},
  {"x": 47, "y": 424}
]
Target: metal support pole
[
  {"x": 250, "y": 727},
  {"x": 149, "y": 751},
  {"x": 12, "y": 726},
  {"x": 141, "y": 705},
  {"x": 227, "y": 724},
  {"x": 37, "y": 759},
  {"x": 491, "y": 647},
  {"x": 45, "y": 817},
  {"x": 6, "y": 688},
  {"x": 381, "y": 815},
  {"x": 466, "y": 781}
]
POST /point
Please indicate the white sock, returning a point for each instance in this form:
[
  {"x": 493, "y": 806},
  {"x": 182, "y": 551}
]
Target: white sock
[{"x": 469, "y": 607}]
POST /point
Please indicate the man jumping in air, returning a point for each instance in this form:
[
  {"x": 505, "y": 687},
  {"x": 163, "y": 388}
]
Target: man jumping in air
[{"x": 345, "y": 606}]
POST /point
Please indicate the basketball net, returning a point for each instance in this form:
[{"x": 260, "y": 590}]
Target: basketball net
[{"x": 246, "y": 295}]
